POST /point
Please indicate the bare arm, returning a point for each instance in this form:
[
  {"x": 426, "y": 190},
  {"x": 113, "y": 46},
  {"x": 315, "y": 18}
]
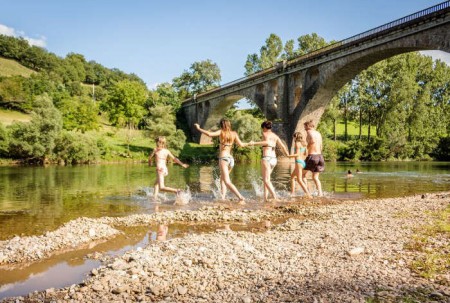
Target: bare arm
[
  {"x": 176, "y": 160},
  {"x": 150, "y": 158},
  {"x": 208, "y": 133},
  {"x": 239, "y": 142},
  {"x": 283, "y": 147},
  {"x": 259, "y": 143}
]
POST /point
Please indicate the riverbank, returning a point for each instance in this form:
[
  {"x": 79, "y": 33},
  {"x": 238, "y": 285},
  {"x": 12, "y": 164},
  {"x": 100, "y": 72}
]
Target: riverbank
[{"x": 328, "y": 251}]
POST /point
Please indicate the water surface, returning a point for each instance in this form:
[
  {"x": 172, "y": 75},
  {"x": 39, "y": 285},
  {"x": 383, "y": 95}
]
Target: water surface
[{"x": 38, "y": 199}]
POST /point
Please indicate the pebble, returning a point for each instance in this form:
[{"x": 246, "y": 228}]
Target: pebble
[{"x": 306, "y": 259}]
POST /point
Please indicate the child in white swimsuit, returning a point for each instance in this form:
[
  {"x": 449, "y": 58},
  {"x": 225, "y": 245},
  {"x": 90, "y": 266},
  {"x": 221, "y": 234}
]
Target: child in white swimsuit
[{"x": 161, "y": 153}]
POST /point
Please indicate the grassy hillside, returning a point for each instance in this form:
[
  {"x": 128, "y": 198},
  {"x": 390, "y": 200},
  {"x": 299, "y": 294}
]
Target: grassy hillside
[
  {"x": 7, "y": 117},
  {"x": 10, "y": 68},
  {"x": 353, "y": 129}
]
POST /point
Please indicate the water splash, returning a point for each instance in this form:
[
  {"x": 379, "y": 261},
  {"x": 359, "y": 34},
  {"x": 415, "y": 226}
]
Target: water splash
[
  {"x": 216, "y": 190},
  {"x": 183, "y": 197}
]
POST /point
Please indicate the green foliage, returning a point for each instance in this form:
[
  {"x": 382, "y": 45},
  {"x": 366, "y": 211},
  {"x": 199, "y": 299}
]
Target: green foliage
[
  {"x": 164, "y": 94},
  {"x": 442, "y": 151},
  {"x": 309, "y": 43},
  {"x": 330, "y": 149},
  {"x": 400, "y": 106},
  {"x": 10, "y": 68},
  {"x": 247, "y": 126},
  {"x": 273, "y": 51},
  {"x": 200, "y": 77},
  {"x": 125, "y": 105},
  {"x": 351, "y": 151},
  {"x": 35, "y": 140},
  {"x": 79, "y": 114},
  {"x": 4, "y": 141},
  {"x": 76, "y": 148},
  {"x": 161, "y": 122}
]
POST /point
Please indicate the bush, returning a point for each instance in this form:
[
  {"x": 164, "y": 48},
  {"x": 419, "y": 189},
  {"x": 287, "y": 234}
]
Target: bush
[
  {"x": 331, "y": 149},
  {"x": 4, "y": 141},
  {"x": 442, "y": 151},
  {"x": 76, "y": 148}
]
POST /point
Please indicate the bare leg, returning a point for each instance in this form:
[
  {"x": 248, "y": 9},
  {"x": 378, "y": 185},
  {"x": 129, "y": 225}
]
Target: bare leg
[
  {"x": 318, "y": 184},
  {"x": 225, "y": 177},
  {"x": 268, "y": 187},
  {"x": 162, "y": 187},
  {"x": 300, "y": 180},
  {"x": 156, "y": 189},
  {"x": 293, "y": 176}
]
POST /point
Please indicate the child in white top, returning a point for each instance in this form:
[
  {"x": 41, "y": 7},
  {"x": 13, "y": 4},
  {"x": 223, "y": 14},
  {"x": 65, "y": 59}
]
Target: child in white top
[{"x": 161, "y": 153}]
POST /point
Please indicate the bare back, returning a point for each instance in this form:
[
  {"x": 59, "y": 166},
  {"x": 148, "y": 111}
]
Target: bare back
[
  {"x": 271, "y": 139},
  {"x": 225, "y": 147},
  {"x": 314, "y": 141}
]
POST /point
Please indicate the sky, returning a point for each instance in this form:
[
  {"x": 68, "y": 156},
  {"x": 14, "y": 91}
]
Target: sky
[{"x": 158, "y": 40}]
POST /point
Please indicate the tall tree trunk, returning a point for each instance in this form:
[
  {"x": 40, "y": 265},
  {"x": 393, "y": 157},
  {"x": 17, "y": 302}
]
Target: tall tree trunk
[
  {"x": 334, "y": 129},
  {"x": 345, "y": 121},
  {"x": 360, "y": 123}
]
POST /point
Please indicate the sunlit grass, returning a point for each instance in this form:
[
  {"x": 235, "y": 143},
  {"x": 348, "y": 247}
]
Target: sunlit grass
[
  {"x": 10, "y": 68},
  {"x": 7, "y": 117},
  {"x": 432, "y": 243}
]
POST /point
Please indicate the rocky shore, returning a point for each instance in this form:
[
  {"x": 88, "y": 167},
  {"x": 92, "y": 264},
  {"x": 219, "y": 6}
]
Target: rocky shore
[{"x": 327, "y": 251}]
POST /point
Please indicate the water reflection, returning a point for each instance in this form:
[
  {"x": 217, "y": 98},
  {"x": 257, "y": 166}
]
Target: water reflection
[{"x": 38, "y": 199}]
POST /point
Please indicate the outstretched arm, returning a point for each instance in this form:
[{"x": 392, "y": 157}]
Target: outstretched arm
[
  {"x": 208, "y": 133},
  {"x": 259, "y": 143},
  {"x": 176, "y": 160},
  {"x": 283, "y": 147},
  {"x": 239, "y": 142}
]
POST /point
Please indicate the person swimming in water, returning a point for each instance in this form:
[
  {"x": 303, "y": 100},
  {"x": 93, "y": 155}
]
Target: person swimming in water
[
  {"x": 227, "y": 138},
  {"x": 269, "y": 157},
  {"x": 161, "y": 153},
  {"x": 299, "y": 154}
]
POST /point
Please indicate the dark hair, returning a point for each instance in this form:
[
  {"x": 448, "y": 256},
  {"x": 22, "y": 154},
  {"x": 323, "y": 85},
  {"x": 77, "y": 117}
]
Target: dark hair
[{"x": 266, "y": 125}]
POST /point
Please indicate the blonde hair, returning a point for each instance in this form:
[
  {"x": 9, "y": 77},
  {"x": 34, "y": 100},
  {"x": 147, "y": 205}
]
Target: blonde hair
[
  {"x": 309, "y": 123},
  {"x": 225, "y": 134},
  {"x": 161, "y": 142},
  {"x": 298, "y": 137}
]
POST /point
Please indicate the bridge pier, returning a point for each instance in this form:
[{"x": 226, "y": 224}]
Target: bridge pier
[{"x": 299, "y": 90}]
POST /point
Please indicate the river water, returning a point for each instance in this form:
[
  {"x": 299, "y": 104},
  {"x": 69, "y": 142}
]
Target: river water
[{"x": 38, "y": 199}]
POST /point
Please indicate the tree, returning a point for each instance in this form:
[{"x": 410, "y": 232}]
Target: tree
[
  {"x": 273, "y": 51},
  {"x": 36, "y": 140},
  {"x": 79, "y": 113},
  {"x": 201, "y": 76},
  {"x": 125, "y": 105},
  {"x": 309, "y": 43},
  {"x": 4, "y": 141},
  {"x": 269, "y": 54},
  {"x": 161, "y": 122},
  {"x": 164, "y": 94}
]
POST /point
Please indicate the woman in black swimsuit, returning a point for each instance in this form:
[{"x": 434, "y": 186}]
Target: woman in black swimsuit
[{"x": 227, "y": 138}]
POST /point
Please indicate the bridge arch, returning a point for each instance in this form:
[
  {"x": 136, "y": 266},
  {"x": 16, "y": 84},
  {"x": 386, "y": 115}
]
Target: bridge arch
[
  {"x": 333, "y": 76},
  {"x": 298, "y": 90}
]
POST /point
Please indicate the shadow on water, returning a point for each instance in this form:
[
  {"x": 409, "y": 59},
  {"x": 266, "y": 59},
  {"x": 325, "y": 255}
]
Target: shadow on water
[{"x": 73, "y": 267}]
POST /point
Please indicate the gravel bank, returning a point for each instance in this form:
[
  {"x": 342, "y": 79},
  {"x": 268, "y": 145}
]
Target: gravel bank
[{"x": 340, "y": 252}]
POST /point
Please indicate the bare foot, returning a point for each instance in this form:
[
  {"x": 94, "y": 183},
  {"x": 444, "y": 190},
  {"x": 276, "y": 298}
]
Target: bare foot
[{"x": 241, "y": 201}]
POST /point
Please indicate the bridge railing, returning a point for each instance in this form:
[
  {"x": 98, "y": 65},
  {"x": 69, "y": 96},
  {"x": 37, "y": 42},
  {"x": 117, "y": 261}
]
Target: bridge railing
[{"x": 340, "y": 44}]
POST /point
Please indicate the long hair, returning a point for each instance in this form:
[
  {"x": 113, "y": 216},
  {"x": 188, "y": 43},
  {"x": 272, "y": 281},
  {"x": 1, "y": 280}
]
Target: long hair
[
  {"x": 161, "y": 142},
  {"x": 298, "y": 137},
  {"x": 225, "y": 134}
]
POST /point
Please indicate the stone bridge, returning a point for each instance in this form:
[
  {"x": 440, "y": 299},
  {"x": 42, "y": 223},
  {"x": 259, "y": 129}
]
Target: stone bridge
[{"x": 298, "y": 90}]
